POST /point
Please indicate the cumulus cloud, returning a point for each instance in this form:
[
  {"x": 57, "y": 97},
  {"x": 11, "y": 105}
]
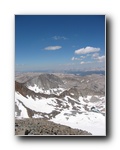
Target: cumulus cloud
[
  {"x": 87, "y": 50},
  {"x": 52, "y": 48},
  {"x": 59, "y": 37}
]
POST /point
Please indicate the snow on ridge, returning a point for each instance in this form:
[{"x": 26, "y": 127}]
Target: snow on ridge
[
  {"x": 36, "y": 105},
  {"x": 55, "y": 91},
  {"x": 23, "y": 113}
]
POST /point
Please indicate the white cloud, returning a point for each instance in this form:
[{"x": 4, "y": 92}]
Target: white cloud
[
  {"x": 59, "y": 37},
  {"x": 75, "y": 58},
  {"x": 95, "y": 55},
  {"x": 82, "y": 57},
  {"x": 101, "y": 58},
  {"x": 52, "y": 48},
  {"x": 87, "y": 50},
  {"x": 83, "y": 62}
]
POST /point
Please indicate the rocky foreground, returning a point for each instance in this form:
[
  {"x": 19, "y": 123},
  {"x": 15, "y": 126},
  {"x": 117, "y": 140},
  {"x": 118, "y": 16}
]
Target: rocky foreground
[{"x": 44, "y": 127}]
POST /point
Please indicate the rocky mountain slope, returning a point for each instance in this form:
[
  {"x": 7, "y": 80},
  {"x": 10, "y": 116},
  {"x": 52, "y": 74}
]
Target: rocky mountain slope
[{"x": 44, "y": 127}]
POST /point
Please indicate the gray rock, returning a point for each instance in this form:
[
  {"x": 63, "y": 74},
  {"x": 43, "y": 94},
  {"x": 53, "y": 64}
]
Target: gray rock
[{"x": 44, "y": 127}]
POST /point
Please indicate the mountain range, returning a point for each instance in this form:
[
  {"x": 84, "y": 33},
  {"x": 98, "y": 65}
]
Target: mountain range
[{"x": 66, "y": 99}]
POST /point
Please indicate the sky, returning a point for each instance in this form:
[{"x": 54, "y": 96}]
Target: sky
[{"x": 59, "y": 42}]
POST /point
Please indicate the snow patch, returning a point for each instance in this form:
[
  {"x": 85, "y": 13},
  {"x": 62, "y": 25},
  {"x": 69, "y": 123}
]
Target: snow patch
[
  {"x": 55, "y": 91},
  {"x": 23, "y": 111},
  {"x": 82, "y": 80}
]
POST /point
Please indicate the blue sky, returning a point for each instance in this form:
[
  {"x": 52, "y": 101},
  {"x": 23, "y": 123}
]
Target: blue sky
[{"x": 58, "y": 42}]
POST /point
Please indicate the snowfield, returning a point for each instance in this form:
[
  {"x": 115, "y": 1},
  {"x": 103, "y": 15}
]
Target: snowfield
[
  {"x": 91, "y": 122},
  {"x": 71, "y": 112}
]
